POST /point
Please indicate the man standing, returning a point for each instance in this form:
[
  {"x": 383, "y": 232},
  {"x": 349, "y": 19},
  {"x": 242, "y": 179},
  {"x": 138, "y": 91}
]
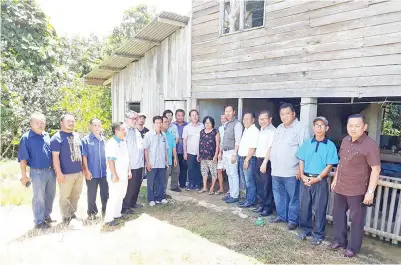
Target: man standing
[
  {"x": 67, "y": 162},
  {"x": 191, "y": 136},
  {"x": 180, "y": 123},
  {"x": 173, "y": 169},
  {"x": 34, "y": 151},
  {"x": 141, "y": 124},
  {"x": 354, "y": 184},
  {"x": 118, "y": 172},
  {"x": 247, "y": 161},
  {"x": 156, "y": 157},
  {"x": 220, "y": 165},
  {"x": 134, "y": 143},
  {"x": 232, "y": 137},
  {"x": 288, "y": 138},
  {"x": 172, "y": 127},
  {"x": 316, "y": 156},
  {"x": 94, "y": 165},
  {"x": 263, "y": 166}
]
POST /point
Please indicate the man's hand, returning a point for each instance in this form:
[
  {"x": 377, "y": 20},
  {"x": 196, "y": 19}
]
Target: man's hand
[
  {"x": 175, "y": 162},
  {"x": 88, "y": 175},
  {"x": 246, "y": 164},
  {"x": 311, "y": 181},
  {"x": 263, "y": 168},
  {"x": 115, "y": 179},
  {"x": 24, "y": 180},
  {"x": 129, "y": 175},
  {"x": 233, "y": 159},
  {"x": 60, "y": 178},
  {"x": 185, "y": 156},
  {"x": 333, "y": 184},
  {"x": 198, "y": 158},
  {"x": 298, "y": 175},
  {"x": 148, "y": 167},
  {"x": 368, "y": 200}
]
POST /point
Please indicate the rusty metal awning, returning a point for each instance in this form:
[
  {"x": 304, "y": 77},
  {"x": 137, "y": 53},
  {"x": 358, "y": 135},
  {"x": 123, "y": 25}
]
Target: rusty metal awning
[{"x": 165, "y": 24}]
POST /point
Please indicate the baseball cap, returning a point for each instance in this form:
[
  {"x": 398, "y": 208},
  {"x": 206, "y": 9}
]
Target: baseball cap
[
  {"x": 141, "y": 115},
  {"x": 321, "y": 118}
]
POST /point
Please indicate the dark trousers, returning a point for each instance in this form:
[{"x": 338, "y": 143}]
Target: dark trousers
[
  {"x": 264, "y": 186},
  {"x": 357, "y": 214},
  {"x": 194, "y": 174},
  {"x": 92, "y": 192},
  {"x": 155, "y": 185},
  {"x": 134, "y": 186},
  {"x": 183, "y": 170},
  {"x": 313, "y": 201}
]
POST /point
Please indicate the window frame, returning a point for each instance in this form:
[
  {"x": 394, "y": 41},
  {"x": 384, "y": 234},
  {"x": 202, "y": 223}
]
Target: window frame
[{"x": 128, "y": 103}]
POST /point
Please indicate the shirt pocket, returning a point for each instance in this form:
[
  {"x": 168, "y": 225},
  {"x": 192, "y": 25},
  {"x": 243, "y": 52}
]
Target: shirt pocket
[{"x": 292, "y": 139}]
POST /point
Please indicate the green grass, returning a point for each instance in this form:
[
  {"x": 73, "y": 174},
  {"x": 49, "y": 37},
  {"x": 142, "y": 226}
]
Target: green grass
[{"x": 9, "y": 169}]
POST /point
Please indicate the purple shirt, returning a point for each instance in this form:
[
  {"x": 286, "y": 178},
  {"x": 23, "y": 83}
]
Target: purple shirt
[{"x": 180, "y": 144}]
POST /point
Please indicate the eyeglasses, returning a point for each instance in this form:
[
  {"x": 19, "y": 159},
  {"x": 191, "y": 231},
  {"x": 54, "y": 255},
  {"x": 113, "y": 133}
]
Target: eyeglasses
[{"x": 319, "y": 126}]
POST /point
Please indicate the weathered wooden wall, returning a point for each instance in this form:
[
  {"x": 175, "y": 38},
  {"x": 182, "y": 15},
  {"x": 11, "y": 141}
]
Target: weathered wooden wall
[
  {"x": 305, "y": 49},
  {"x": 162, "y": 74}
]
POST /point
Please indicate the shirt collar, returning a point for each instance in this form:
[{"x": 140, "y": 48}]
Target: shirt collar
[
  {"x": 314, "y": 140},
  {"x": 32, "y": 133},
  {"x": 154, "y": 132},
  {"x": 92, "y": 136},
  {"x": 360, "y": 139},
  {"x": 250, "y": 127},
  {"x": 183, "y": 124},
  {"x": 116, "y": 138}
]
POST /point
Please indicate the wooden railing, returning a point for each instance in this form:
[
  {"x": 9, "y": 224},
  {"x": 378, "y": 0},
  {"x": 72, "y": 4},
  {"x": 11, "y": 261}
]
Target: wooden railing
[{"x": 383, "y": 219}]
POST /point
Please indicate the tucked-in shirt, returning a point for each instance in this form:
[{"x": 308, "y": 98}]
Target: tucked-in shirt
[
  {"x": 180, "y": 144},
  {"x": 207, "y": 144},
  {"x": 221, "y": 132},
  {"x": 265, "y": 141},
  {"x": 94, "y": 150},
  {"x": 35, "y": 149},
  {"x": 69, "y": 147},
  {"x": 249, "y": 140},
  {"x": 117, "y": 151},
  {"x": 135, "y": 148},
  {"x": 144, "y": 131},
  {"x": 156, "y": 144},
  {"x": 356, "y": 160},
  {"x": 174, "y": 130},
  {"x": 170, "y": 137},
  {"x": 192, "y": 134},
  {"x": 287, "y": 141},
  {"x": 317, "y": 155}
]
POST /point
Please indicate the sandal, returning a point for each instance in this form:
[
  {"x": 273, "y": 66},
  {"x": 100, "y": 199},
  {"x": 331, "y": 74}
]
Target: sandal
[
  {"x": 219, "y": 192},
  {"x": 211, "y": 193},
  {"x": 202, "y": 191}
]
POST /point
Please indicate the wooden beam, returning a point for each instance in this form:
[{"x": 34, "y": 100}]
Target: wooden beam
[
  {"x": 145, "y": 41},
  {"x": 108, "y": 81},
  {"x": 93, "y": 81},
  {"x": 171, "y": 22},
  {"x": 111, "y": 69},
  {"x": 130, "y": 56}
]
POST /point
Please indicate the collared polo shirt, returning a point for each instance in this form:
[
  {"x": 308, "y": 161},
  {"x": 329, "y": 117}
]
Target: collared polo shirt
[
  {"x": 287, "y": 141},
  {"x": 192, "y": 134},
  {"x": 69, "y": 147},
  {"x": 173, "y": 129},
  {"x": 156, "y": 144},
  {"x": 135, "y": 148},
  {"x": 94, "y": 150},
  {"x": 180, "y": 144},
  {"x": 317, "y": 155},
  {"x": 265, "y": 142},
  {"x": 170, "y": 137},
  {"x": 117, "y": 151},
  {"x": 249, "y": 140},
  {"x": 143, "y": 132},
  {"x": 356, "y": 160},
  {"x": 35, "y": 149}
]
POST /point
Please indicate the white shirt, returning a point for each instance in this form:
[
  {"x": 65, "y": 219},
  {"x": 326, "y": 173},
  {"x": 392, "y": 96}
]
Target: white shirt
[
  {"x": 265, "y": 141},
  {"x": 117, "y": 150},
  {"x": 221, "y": 131},
  {"x": 136, "y": 152},
  {"x": 192, "y": 134},
  {"x": 249, "y": 140}
]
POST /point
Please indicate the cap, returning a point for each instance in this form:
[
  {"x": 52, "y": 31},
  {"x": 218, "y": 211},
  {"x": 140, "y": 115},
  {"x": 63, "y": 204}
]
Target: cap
[
  {"x": 321, "y": 118},
  {"x": 141, "y": 115}
]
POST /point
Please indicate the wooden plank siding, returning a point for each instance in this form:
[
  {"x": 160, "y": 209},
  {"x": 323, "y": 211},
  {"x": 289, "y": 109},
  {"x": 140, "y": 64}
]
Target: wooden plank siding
[{"x": 340, "y": 48}]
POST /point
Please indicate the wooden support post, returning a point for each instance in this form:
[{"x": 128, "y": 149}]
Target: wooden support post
[
  {"x": 308, "y": 112},
  {"x": 240, "y": 107}
]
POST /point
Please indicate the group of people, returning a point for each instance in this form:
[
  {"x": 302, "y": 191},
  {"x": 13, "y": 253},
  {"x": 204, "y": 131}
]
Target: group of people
[{"x": 282, "y": 168}]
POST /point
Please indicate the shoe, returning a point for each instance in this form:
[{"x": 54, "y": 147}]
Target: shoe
[
  {"x": 164, "y": 201},
  {"x": 336, "y": 246},
  {"x": 176, "y": 189},
  {"x": 127, "y": 211},
  {"x": 168, "y": 196},
  {"x": 316, "y": 242},
  {"x": 225, "y": 198},
  {"x": 349, "y": 253},
  {"x": 292, "y": 226},
  {"x": 152, "y": 203},
  {"x": 246, "y": 205},
  {"x": 43, "y": 225},
  {"x": 188, "y": 188},
  {"x": 92, "y": 217},
  {"x": 276, "y": 220},
  {"x": 118, "y": 218},
  {"x": 67, "y": 220},
  {"x": 49, "y": 220},
  {"x": 137, "y": 205},
  {"x": 112, "y": 223},
  {"x": 303, "y": 235},
  {"x": 196, "y": 188},
  {"x": 264, "y": 213},
  {"x": 258, "y": 209},
  {"x": 158, "y": 202},
  {"x": 232, "y": 200}
]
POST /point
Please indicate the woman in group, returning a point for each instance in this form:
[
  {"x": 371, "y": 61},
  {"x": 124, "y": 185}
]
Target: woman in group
[{"x": 208, "y": 153}]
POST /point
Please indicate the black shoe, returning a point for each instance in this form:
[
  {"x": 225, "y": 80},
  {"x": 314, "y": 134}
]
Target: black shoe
[
  {"x": 137, "y": 205},
  {"x": 231, "y": 200},
  {"x": 225, "y": 198},
  {"x": 43, "y": 225},
  {"x": 292, "y": 226},
  {"x": 303, "y": 235},
  {"x": 127, "y": 211},
  {"x": 168, "y": 196},
  {"x": 176, "y": 189},
  {"x": 264, "y": 213},
  {"x": 112, "y": 223},
  {"x": 258, "y": 209},
  {"x": 49, "y": 220},
  {"x": 316, "y": 242},
  {"x": 276, "y": 220},
  {"x": 245, "y": 205}
]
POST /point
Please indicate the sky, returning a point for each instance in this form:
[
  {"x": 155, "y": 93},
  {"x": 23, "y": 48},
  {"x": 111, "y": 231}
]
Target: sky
[{"x": 83, "y": 17}]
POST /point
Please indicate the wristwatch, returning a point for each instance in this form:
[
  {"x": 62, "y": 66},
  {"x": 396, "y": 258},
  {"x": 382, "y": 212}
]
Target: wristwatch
[
  {"x": 319, "y": 177},
  {"x": 371, "y": 191}
]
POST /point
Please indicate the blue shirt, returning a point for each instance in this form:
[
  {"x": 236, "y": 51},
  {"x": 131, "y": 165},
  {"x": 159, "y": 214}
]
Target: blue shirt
[
  {"x": 170, "y": 137},
  {"x": 69, "y": 147},
  {"x": 35, "y": 149},
  {"x": 94, "y": 150},
  {"x": 317, "y": 155},
  {"x": 180, "y": 144}
]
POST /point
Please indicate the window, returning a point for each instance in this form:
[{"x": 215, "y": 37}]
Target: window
[
  {"x": 240, "y": 15},
  {"x": 135, "y": 106}
]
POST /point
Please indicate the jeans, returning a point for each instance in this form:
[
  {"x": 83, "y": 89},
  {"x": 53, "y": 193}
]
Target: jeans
[
  {"x": 92, "y": 186},
  {"x": 286, "y": 197},
  {"x": 232, "y": 173},
  {"x": 264, "y": 188},
  {"x": 44, "y": 191},
  {"x": 183, "y": 170},
  {"x": 313, "y": 201},
  {"x": 248, "y": 178},
  {"x": 155, "y": 185},
  {"x": 194, "y": 174},
  {"x": 133, "y": 188}
]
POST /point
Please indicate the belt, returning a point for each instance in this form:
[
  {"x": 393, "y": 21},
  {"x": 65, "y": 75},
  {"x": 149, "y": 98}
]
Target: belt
[
  {"x": 46, "y": 168},
  {"x": 227, "y": 149},
  {"x": 311, "y": 175}
]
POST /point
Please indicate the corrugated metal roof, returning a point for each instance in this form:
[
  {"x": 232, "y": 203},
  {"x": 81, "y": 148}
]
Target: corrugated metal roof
[{"x": 165, "y": 24}]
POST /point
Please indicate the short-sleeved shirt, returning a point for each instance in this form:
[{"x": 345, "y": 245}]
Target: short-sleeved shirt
[
  {"x": 207, "y": 144},
  {"x": 356, "y": 160},
  {"x": 136, "y": 151},
  {"x": 170, "y": 137},
  {"x": 249, "y": 140},
  {"x": 265, "y": 142},
  {"x": 94, "y": 150},
  {"x": 117, "y": 151},
  {"x": 192, "y": 134},
  {"x": 156, "y": 144},
  {"x": 317, "y": 155},
  {"x": 35, "y": 149},
  {"x": 174, "y": 130},
  {"x": 180, "y": 144},
  {"x": 69, "y": 147},
  {"x": 221, "y": 132},
  {"x": 287, "y": 141},
  {"x": 144, "y": 131}
]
